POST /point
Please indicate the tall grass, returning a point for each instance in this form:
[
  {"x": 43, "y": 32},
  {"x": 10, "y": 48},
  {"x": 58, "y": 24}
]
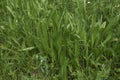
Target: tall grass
[{"x": 59, "y": 40}]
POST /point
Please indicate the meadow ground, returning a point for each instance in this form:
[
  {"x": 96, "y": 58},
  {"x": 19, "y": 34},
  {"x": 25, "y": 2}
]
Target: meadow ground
[{"x": 59, "y": 40}]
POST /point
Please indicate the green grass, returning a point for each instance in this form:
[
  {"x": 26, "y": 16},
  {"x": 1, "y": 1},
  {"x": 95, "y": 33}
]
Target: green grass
[{"x": 59, "y": 40}]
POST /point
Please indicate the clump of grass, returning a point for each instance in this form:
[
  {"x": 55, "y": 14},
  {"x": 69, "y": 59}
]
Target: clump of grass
[{"x": 59, "y": 40}]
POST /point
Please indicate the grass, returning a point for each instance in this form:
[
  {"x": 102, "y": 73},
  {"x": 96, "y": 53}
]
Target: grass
[{"x": 59, "y": 40}]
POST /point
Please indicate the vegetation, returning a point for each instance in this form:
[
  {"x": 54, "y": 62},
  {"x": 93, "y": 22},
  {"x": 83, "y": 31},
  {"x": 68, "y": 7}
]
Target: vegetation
[{"x": 59, "y": 39}]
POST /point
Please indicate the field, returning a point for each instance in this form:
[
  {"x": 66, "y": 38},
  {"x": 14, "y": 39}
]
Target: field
[{"x": 59, "y": 39}]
